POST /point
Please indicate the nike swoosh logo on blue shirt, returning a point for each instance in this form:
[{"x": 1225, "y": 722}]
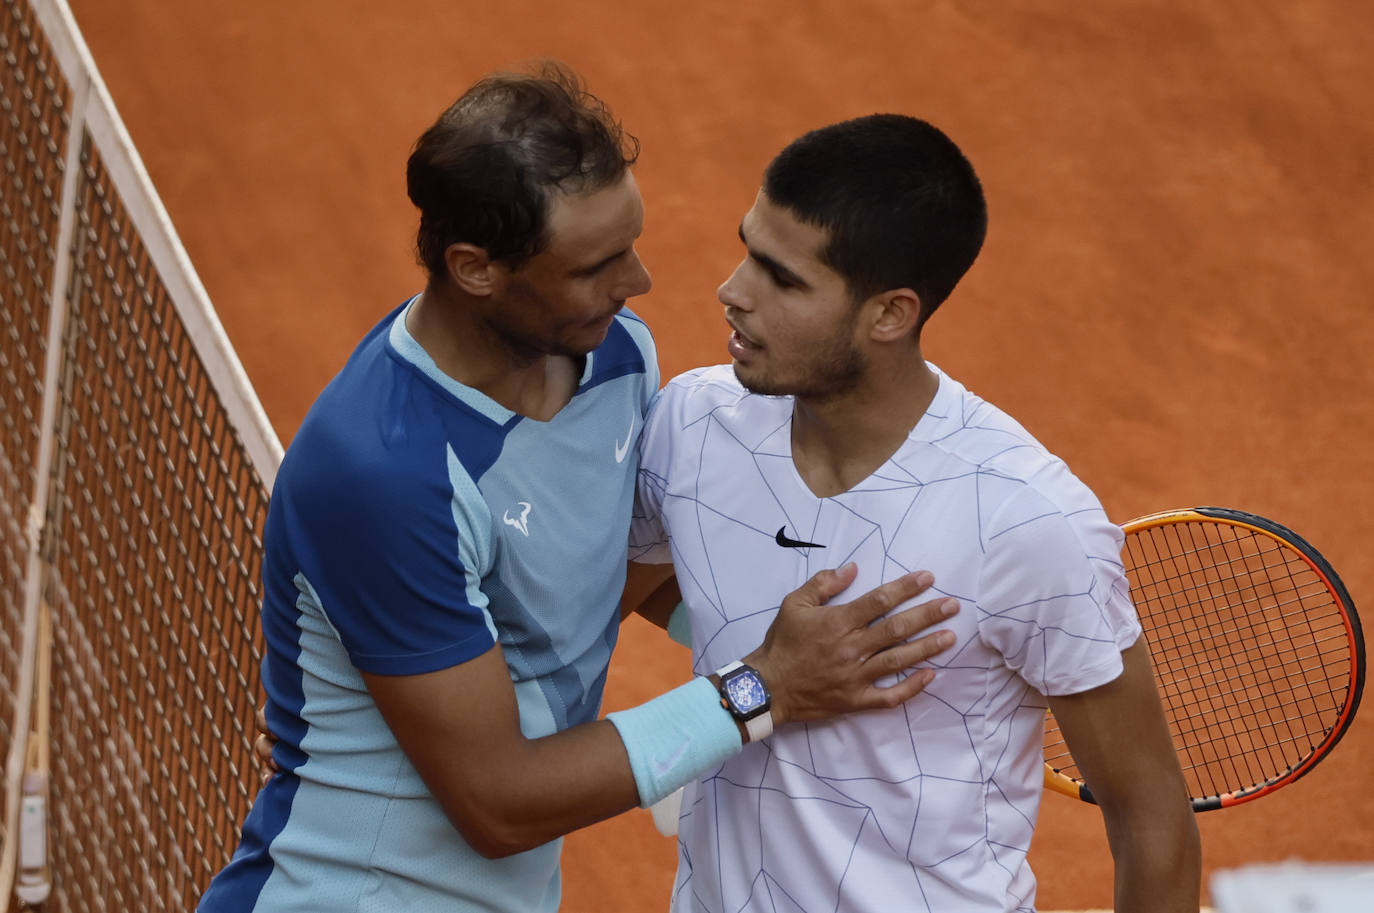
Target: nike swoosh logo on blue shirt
[{"x": 622, "y": 449}]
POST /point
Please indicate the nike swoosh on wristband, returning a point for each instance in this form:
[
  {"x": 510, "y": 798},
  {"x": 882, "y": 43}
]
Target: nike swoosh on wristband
[
  {"x": 781, "y": 539},
  {"x": 663, "y": 768}
]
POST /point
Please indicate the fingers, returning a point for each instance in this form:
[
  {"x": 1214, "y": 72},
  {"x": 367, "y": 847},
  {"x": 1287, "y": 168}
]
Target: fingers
[
  {"x": 891, "y": 661},
  {"x": 905, "y": 689},
  {"x": 899, "y": 627},
  {"x": 902, "y": 657},
  {"x": 262, "y": 747},
  {"x": 825, "y": 585},
  {"x": 821, "y": 660},
  {"x": 879, "y": 601}
]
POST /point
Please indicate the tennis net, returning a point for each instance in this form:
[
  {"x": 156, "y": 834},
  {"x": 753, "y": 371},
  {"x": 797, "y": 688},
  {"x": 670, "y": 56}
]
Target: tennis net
[{"x": 135, "y": 465}]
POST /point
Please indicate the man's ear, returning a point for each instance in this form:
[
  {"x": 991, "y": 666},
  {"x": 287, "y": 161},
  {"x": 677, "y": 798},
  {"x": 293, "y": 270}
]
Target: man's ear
[
  {"x": 896, "y": 314},
  {"x": 470, "y": 268}
]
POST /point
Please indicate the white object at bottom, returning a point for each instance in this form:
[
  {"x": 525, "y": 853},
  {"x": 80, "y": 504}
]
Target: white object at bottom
[
  {"x": 1294, "y": 887},
  {"x": 666, "y": 811}
]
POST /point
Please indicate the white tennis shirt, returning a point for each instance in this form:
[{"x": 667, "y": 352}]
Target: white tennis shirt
[{"x": 929, "y": 806}]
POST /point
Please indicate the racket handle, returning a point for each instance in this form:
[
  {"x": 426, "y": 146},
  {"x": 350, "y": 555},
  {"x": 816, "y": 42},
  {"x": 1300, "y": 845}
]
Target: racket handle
[{"x": 33, "y": 885}]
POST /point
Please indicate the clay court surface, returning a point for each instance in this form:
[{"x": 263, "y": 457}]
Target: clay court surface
[{"x": 1175, "y": 295}]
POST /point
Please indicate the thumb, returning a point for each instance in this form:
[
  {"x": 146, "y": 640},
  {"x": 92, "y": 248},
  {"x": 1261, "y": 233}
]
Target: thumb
[{"x": 825, "y": 585}]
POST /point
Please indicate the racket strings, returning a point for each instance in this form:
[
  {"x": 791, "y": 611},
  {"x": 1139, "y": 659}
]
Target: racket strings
[
  {"x": 1239, "y": 739},
  {"x": 1249, "y": 647}
]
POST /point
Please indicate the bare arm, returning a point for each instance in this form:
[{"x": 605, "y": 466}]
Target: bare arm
[
  {"x": 1120, "y": 741},
  {"x": 505, "y": 793},
  {"x": 651, "y": 590}
]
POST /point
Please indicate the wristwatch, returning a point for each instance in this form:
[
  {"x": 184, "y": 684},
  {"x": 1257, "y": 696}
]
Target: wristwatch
[{"x": 743, "y": 693}]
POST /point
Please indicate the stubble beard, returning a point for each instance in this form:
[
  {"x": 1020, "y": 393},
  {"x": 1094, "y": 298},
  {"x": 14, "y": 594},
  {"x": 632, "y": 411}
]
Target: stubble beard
[{"x": 835, "y": 369}]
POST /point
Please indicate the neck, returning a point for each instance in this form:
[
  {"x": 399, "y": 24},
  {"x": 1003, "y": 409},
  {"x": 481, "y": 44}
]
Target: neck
[
  {"x": 450, "y": 329},
  {"x": 839, "y": 441}
]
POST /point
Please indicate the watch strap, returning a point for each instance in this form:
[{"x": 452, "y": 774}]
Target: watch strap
[{"x": 758, "y": 727}]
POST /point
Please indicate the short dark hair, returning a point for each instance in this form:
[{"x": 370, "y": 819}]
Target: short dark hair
[
  {"x": 485, "y": 171},
  {"x": 901, "y": 204}
]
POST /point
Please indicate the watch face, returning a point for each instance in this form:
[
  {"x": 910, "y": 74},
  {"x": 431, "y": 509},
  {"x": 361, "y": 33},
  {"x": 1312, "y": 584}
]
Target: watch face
[{"x": 746, "y": 692}]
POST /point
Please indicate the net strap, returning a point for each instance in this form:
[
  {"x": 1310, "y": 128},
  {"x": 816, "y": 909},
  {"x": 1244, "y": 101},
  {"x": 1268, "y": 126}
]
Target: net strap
[{"x": 57, "y": 22}]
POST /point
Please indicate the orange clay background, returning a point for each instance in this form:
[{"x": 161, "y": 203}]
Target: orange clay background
[{"x": 1175, "y": 294}]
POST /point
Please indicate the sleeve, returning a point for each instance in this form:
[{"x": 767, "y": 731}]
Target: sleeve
[
  {"x": 396, "y": 565},
  {"x": 1050, "y": 600},
  {"x": 648, "y": 532}
]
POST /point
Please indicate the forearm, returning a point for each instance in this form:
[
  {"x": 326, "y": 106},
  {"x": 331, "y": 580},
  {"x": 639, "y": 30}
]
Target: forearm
[
  {"x": 1120, "y": 740},
  {"x": 461, "y": 727},
  {"x": 1158, "y": 860},
  {"x": 542, "y": 789},
  {"x": 524, "y": 792}
]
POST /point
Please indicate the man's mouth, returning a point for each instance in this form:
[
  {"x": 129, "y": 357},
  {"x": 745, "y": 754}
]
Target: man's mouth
[
  {"x": 742, "y": 349},
  {"x": 743, "y": 340}
]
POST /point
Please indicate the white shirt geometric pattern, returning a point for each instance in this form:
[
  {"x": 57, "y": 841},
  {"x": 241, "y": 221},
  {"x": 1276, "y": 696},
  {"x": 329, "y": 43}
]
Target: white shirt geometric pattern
[{"x": 931, "y": 805}]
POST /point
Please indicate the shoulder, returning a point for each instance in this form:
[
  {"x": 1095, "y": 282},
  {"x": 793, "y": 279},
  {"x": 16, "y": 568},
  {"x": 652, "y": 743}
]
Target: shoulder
[
  {"x": 627, "y": 350},
  {"x": 1019, "y": 479},
  {"x": 700, "y": 392},
  {"x": 381, "y": 444},
  {"x": 992, "y": 443},
  {"x": 973, "y": 430},
  {"x": 707, "y": 404},
  {"x": 695, "y": 402},
  {"x": 636, "y": 329}
]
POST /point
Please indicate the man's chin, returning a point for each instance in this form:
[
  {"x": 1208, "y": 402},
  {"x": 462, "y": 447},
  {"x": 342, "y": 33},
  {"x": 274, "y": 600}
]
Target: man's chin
[
  {"x": 755, "y": 383},
  {"x": 585, "y": 343}
]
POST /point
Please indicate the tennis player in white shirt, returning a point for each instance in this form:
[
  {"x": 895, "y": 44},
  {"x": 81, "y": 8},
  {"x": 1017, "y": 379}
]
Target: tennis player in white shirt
[{"x": 830, "y": 439}]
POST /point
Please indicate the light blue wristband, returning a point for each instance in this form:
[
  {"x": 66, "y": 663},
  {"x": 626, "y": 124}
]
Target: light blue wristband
[
  {"x": 676, "y": 738},
  {"x": 680, "y": 625}
]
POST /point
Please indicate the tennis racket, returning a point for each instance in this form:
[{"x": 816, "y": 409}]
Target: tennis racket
[{"x": 1256, "y": 647}]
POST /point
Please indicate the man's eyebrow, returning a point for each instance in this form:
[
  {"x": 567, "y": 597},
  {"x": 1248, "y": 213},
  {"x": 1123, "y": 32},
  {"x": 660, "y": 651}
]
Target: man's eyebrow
[
  {"x": 598, "y": 265},
  {"x": 779, "y": 271}
]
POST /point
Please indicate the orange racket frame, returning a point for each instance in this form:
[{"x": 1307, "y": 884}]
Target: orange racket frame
[{"x": 1197, "y": 574}]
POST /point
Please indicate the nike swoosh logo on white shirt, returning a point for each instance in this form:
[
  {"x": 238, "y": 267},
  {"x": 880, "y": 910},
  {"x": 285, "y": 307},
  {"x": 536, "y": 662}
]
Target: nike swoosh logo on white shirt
[{"x": 622, "y": 449}]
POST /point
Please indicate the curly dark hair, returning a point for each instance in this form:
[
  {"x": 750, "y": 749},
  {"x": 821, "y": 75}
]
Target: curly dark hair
[{"x": 485, "y": 171}]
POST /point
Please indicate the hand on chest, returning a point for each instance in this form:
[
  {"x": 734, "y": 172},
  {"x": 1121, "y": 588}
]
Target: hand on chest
[{"x": 735, "y": 570}]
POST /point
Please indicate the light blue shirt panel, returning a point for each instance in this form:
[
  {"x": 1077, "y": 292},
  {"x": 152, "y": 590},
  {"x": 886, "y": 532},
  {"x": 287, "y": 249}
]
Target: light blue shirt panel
[
  {"x": 536, "y": 713},
  {"x": 364, "y": 833},
  {"x": 559, "y": 560},
  {"x": 549, "y": 524},
  {"x": 414, "y": 863},
  {"x": 472, "y": 517},
  {"x": 348, "y": 744}
]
